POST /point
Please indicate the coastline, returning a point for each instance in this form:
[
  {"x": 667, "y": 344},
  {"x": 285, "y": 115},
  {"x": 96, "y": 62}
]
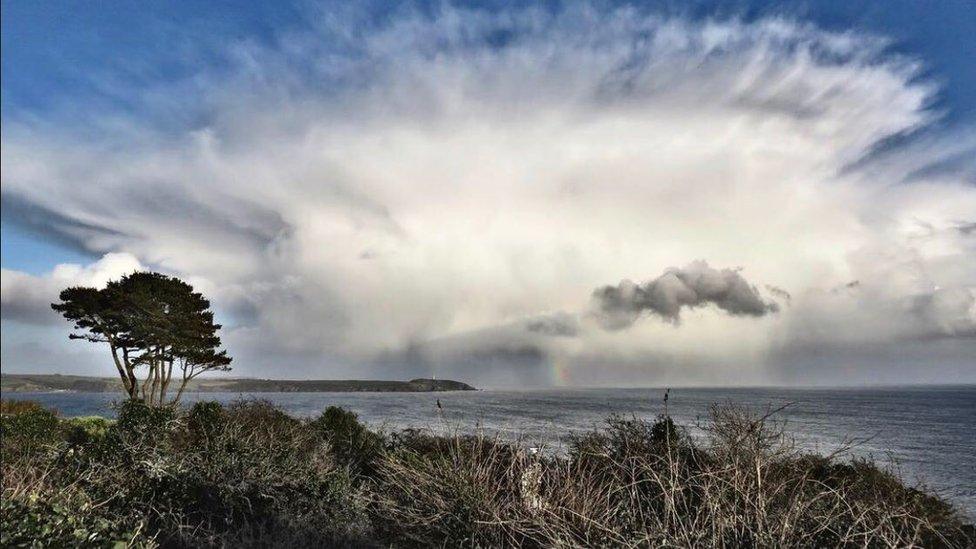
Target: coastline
[{"x": 58, "y": 383}]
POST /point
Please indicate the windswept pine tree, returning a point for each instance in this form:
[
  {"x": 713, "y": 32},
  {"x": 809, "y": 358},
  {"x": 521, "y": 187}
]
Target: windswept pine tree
[{"x": 151, "y": 322}]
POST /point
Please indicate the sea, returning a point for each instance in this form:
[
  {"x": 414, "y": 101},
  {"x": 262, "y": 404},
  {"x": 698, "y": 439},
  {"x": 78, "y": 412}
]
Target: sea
[{"x": 926, "y": 433}]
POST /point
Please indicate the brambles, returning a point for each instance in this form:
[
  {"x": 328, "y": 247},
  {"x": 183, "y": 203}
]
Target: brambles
[{"x": 247, "y": 474}]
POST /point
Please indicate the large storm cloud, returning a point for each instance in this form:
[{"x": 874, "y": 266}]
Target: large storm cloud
[{"x": 362, "y": 190}]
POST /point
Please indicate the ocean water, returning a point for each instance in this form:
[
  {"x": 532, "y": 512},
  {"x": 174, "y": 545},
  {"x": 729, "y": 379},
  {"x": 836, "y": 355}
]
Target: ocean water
[{"x": 927, "y": 433}]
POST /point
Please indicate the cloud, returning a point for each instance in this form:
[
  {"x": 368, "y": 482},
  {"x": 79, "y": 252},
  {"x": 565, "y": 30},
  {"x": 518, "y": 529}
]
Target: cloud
[
  {"x": 919, "y": 291},
  {"x": 693, "y": 286},
  {"x": 27, "y": 298},
  {"x": 488, "y": 181},
  {"x": 951, "y": 312},
  {"x": 556, "y": 325},
  {"x": 779, "y": 293}
]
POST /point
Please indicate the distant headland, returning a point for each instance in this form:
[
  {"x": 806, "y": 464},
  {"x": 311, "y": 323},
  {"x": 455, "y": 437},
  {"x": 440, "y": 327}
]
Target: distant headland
[{"x": 22, "y": 383}]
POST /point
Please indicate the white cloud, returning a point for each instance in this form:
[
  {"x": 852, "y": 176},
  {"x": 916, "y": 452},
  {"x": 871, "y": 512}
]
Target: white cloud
[
  {"x": 357, "y": 195},
  {"x": 27, "y": 298}
]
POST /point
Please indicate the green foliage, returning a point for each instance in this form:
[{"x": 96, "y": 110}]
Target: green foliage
[
  {"x": 84, "y": 430},
  {"x": 664, "y": 431},
  {"x": 353, "y": 445},
  {"x": 152, "y": 321},
  {"x": 206, "y": 420},
  {"x": 247, "y": 474},
  {"x": 138, "y": 419},
  {"x": 30, "y": 430},
  {"x": 628, "y": 436},
  {"x": 59, "y": 521},
  {"x": 13, "y": 406}
]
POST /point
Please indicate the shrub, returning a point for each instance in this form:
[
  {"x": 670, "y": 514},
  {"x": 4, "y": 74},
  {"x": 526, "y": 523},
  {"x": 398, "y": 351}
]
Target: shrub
[
  {"x": 635, "y": 483},
  {"x": 353, "y": 445},
  {"x": 262, "y": 416},
  {"x": 12, "y": 407},
  {"x": 206, "y": 420},
  {"x": 66, "y": 520},
  {"x": 83, "y": 430},
  {"x": 262, "y": 476},
  {"x": 29, "y": 430},
  {"x": 248, "y": 474},
  {"x": 451, "y": 491},
  {"x": 136, "y": 419}
]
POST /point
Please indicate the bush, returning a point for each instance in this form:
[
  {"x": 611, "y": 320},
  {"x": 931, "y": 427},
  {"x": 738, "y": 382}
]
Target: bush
[
  {"x": 12, "y": 407},
  {"x": 57, "y": 520},
  {"x": 450, "y": 492},
  {"x": 206, "y": 420},
  {"x": 635, "y": 483},
  {"x": 625, "y": 437},
  {"x": 261, "y": 476},
  {"x": 85, "y": 430},
  {"x": 29, "y": 430},
  {"x": 247, "y": 474},
  {"x": 353, "y": 445},
  {"x": 262, "y": 416},
  {"x": 136, "y": 418}
]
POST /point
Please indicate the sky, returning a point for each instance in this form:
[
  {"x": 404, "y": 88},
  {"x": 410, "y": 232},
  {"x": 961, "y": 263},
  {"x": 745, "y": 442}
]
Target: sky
[{"x": 510, "y": 194}]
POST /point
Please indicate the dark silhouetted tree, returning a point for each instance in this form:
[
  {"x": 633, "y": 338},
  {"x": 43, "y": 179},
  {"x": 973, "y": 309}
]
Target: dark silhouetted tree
[{"x": 150, "y": 321}]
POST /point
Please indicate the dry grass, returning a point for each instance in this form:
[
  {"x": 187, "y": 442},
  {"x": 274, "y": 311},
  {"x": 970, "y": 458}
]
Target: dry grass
[
  {"x": 248, "y": 475},
  {"x": 637, "y": 484}
]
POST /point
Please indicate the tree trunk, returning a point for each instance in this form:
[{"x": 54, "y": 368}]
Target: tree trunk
[
  {"x": 147, "y": 385},
  {"x": 166, "y": 369},
  {"x": 179, "y": 393},
  {"x": 185, "y": 378},
  {"x": 131, "y": 374},
  {"x": 118, "y": 366}
]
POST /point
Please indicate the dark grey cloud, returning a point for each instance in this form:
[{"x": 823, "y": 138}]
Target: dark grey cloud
[
  {"x": 779, "y": 293},
  {"x": 51, "y": 226},
  {"x": 696, "y": 285},
  {"x": 555, "y": 325}
]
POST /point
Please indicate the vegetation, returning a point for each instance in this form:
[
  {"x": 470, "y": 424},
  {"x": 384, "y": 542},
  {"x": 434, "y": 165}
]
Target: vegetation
[
  {"x": 250, "y": 475},
  {"x": 12, "y": 407},
  {"x": 16, "y": 383},
  {"x": 151, "y": 321}
]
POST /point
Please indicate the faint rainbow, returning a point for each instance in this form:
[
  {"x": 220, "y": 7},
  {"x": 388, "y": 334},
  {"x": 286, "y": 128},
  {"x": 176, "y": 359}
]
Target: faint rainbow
[{"x": 559, "y": 374}]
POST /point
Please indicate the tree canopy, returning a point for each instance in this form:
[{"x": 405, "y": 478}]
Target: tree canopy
[{"x": 150, "y": 321}]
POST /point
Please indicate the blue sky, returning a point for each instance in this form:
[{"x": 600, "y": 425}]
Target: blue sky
[{"x": 387, "y": 191}]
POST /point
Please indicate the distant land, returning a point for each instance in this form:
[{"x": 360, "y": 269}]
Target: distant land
[{"x": 23, "y": 383}]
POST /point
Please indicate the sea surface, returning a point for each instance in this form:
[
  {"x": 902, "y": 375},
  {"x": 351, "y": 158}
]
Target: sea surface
[{"x": 927, "y": 433}]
